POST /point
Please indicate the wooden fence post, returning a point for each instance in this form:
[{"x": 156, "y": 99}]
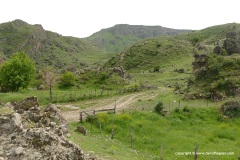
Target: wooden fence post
[
  {"x": 115, "y": 107},
  {"x": 161, "y": 153},
  {"x": 196, "y": 152},
  {"x": 64, "y": 96},
  {"x": 56, "y": 98},
  {"x": 91, "y": 122},
  {"x": 113, "y": 133},
  {"x": 169, "y": 105},
  {"x": 81, "y": 119},
  {"x": 131, "y": 141},
  {"x": 100, "y": 126}
]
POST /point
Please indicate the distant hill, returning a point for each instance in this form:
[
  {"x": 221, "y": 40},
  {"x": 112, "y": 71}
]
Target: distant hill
[
  {"x": 167, "y": 50},
  {"x": 121, "y": 36},
  {"x": 147, "y": 54},
  {"x": 45, "y": 47}
]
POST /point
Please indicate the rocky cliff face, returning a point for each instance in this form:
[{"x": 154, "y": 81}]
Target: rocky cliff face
[{"x": 34, "y": 135}]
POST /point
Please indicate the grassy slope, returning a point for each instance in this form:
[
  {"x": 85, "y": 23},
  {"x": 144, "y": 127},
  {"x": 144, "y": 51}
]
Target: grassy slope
[
  {"x": 178, "y": 132},
  {"x": 48, "y": 48},
  {"x": 211, "y": 34},
  {"x": 144, "y": 55}
]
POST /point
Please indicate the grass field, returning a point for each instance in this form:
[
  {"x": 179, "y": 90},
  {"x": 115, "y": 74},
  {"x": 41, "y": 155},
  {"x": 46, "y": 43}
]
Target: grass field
[{"x": 177, "y": 133}]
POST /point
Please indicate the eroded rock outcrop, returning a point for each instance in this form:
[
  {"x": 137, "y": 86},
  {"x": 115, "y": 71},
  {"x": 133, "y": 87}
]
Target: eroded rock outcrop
[{"x": 34, "y": 135}]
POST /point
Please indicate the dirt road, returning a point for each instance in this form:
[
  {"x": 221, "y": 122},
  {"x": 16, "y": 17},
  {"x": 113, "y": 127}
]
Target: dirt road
[{"x": 121, "y": 102}]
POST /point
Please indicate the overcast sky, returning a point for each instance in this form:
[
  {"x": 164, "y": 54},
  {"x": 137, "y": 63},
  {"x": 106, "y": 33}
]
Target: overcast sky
[{"x": 81, "y": 18}]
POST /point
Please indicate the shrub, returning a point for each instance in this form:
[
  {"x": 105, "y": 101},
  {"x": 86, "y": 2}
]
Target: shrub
[
  {"x": 68, "y": 79},
  {"x": 186, "y": 109},
  {"x": 156, "y": 69},
  {"x": 231, "y": 108},
  {"x": 159, "y": 108}
]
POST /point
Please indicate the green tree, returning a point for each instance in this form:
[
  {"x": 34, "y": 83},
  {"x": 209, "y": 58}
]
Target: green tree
[
  {"x": 68, "y": 79},
  {"x": 17, "y": 72}
]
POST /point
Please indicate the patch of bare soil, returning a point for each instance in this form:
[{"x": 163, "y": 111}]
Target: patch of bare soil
[{"x": 121, "y": 102}]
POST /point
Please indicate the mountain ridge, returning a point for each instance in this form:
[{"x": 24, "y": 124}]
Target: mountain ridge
[
  {"x": 45, "y": 47},
  {"x": 120, "y": 36}
]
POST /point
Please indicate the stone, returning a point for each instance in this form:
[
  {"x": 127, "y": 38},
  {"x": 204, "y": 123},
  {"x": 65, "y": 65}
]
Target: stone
[
  {"x": 18, "y": 151},
  {"x": 9, "y": 105},
  {"x": 41, "y": 87},
  {"x": 68, "y": 135},
  {"x": 51, "y": 108},
  {"x": 82, "y": 130},
  {"x": 27, "y": 103},
  {"x": 16, "y": 121},
  {"x": 52, "y": 124}
]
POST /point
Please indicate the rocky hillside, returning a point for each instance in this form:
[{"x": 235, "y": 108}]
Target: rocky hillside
[
  {"x": 45, "y": 47},
  {"x": 159, "y": 51},
  {"x": 215, "y": 73},
  {"x": 121, "y": 36}
]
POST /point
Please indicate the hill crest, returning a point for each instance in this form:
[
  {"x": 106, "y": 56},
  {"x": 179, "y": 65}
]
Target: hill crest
[{"x": 121, "y": 36}]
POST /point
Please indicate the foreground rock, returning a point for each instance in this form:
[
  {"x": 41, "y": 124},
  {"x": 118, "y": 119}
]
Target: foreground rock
[{"x": 32, "y": 135}]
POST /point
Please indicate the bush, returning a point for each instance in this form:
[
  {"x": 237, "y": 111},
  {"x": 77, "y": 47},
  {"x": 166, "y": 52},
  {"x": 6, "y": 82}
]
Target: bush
[
  {"x": 186, "y": 109},
  {"x": 68, "y": 79},
  {"x": 231, "y": 108},
  {"x": 156, "y": 69},
  {"x": 159, "y": 108}
]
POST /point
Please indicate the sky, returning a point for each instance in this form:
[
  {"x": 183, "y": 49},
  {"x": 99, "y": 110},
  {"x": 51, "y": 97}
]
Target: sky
[{"x": 82, "y": 18}]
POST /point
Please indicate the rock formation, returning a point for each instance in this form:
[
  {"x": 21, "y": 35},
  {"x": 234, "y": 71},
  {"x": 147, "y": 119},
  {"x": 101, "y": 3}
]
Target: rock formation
[{"x": 30, "y": 134}]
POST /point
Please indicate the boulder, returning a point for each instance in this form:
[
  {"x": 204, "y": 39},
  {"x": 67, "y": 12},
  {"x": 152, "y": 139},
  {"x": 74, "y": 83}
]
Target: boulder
[
  {"x": 52, "y": 109},
  {"x": 82, "y": 130},
  {"x": 16, "y": 121},
  {"x": 27, "y": 103}
]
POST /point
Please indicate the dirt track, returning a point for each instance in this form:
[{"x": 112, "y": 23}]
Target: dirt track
[{"x": 121, "y": 101}]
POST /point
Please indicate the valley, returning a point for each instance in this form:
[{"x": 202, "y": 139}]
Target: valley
[{"x": 193, "y": 75}]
